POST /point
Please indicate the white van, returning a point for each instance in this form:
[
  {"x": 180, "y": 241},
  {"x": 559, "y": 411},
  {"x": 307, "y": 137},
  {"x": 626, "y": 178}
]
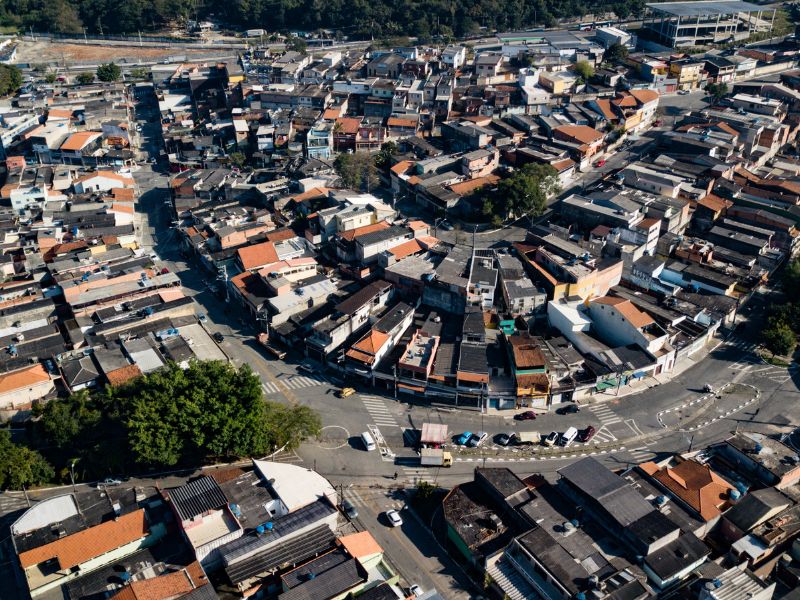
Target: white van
[
  {"x": 568, "y": 437},
  {"x": 369, "y": 442}
]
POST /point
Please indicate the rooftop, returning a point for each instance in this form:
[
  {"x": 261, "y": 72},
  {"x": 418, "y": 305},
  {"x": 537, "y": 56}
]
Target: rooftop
[{"x": 706, "y": 7}]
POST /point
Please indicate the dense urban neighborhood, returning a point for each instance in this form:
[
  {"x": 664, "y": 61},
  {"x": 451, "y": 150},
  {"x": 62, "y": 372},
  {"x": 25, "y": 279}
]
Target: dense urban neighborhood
[{"x": 492, "y": 314}]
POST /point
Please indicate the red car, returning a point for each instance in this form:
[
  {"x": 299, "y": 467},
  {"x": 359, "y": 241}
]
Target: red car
[
  {"x": 528, "y": 415},
  {"x": 600, "y": 163},
  {"x": 586, "y": 434},
  {"x": 164, "y": 271}
]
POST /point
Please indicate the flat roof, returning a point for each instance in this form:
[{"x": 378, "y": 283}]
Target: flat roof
[{"x": 706, "y": 7}]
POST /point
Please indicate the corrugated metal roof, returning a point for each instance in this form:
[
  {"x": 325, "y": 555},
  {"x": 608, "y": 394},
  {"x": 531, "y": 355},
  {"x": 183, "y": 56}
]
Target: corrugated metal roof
[{"x": 197, "y": 497}]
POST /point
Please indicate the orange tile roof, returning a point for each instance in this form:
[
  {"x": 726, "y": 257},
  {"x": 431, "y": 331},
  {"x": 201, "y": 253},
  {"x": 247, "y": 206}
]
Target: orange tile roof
[
  {"x": 76, "y": 549},
  {"x": 418, "y": 225},
  {"x": 347, "y": 125},
  {"x": 583, "y": 133},
  {"x": 123, "y": 374},
  {"x": 726, "y": 128},
  {"x": 257, "y": 255},
  {"x": 626, "y": 308},
  {"x": 123, "y": 194},
  {"x": 647, "y": 223},
  {"x": 361, "y": 544},
  {"x": 78, "y": 140},
  {"x": 697, "y": 485},
  {"x": 471, "y": 185},
  {"x": 332, "y": 113},
  {"x": 398, "y": 122},
  {"x": 59, "y": 113},
  {"x": 537, "y": 381},
  {"x": 165, "y": 587},
  {"x": 645, "y": 96},
  {"x": 401, "y": 167},
  {"x": 563, "y": 165},
  {"x": 714, "y": 203},
  {"x": 625, "y": 101},
  {"x": 125, "y": 208},
  {"x": 317, "y": 192},
  {"x": 277, "y": 235},
  {"x": 368, "y": 346},
  {"x": 406, "y": 249},
  {"x": 23, "y": 378},
  {"x": 352, "y": 234},
  {"x": 604, "y": 105},
  {"x": 108, "y": 175}
]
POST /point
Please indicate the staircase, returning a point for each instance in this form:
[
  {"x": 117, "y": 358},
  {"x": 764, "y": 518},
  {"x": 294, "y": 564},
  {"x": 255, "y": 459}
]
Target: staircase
[{"x": 511, "y": 582}]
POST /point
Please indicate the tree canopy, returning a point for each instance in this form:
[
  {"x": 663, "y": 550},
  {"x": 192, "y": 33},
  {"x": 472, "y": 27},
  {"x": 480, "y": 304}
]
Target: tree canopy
[
  {"x": 21, "y": 466},
  {"x": 524, "y": 193},
  {"x": 109, "y": 72},
  {"x": 615, "y": 53},
  {"x": 173, "y": 416},
  {"x": 358, "y": 170},
  {"x": 584, "y": 70},
  {"x": 85, "y": 78},
  {"x": 10, "y": 79},
  {"x": 362, "y": 19}
]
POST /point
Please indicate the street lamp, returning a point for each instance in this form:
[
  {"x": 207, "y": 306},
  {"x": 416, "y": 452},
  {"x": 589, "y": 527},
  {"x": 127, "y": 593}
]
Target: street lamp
[{"x": 72, "y": 475}]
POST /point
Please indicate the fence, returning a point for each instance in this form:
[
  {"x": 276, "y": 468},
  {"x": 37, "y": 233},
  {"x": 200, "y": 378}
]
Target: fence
[{"x": 134, "y": 39}]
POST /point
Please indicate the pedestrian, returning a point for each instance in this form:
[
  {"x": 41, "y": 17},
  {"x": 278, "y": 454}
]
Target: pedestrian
[{"x": 395, "y": 475}]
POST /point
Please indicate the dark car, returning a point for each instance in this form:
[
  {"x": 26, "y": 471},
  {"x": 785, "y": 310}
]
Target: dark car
[
  {"x": 350, "y": 510},
  {"x": 218, "y": 337},
  {"x": 569, "y": 409},
  {"x": 528, "y": 415},
  {"x": 586, "y": 434},
  {"x": 503, "y": 439}
]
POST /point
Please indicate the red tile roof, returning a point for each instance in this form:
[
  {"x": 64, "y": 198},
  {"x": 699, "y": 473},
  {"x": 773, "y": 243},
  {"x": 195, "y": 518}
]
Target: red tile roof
[
  {"x": 626, "y": 308},
  {"x": 24, "y": 378},
  {"x": 257, "y": 255},
  {"x": 76, "y": 549}
]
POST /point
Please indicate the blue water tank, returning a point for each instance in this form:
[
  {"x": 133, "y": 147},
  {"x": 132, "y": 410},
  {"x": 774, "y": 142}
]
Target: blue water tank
[
  {"x": 268, "y": 526},
  {"x": 734, "y": 494},
  {"x": 125, "y": 576},
  {"x": 742, "y": 487},
  {"x": 260, "y": 529},
  {"x": 758, "y": 448}
]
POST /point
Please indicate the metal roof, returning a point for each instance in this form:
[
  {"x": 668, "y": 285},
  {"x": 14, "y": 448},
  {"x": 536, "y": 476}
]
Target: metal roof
[
  {"x": 197, "y": 497},
  {"x": 712, "y": 7}
]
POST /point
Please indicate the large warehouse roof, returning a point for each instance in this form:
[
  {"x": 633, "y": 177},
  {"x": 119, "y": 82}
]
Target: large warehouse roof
[{"x": 707, "y": 7}]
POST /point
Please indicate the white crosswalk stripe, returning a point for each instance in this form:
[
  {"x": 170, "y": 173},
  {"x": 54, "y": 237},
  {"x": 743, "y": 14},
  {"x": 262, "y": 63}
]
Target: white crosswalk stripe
[
  {"x": 641, "y": 455},
  {"x": 603, "y": 435},
  {"x": 605, "y": 414},
  {"x": 270, "y": 388},
  {"x": 413, "y": 475},
  {"x": 378, "y": 412},
  {"x": 294, "y": 382}
]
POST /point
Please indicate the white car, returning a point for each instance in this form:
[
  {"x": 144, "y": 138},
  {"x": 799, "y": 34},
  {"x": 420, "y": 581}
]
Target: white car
[
  {"x": 477, "y": 439},
  {"x": 415, "y": 591},
  {"x": 110, "y": 482},
  {"x": 394, "y": 518}
]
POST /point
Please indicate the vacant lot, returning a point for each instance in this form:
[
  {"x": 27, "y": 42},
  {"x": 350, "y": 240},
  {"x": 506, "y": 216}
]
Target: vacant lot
[{"x": 48, "y": 52}]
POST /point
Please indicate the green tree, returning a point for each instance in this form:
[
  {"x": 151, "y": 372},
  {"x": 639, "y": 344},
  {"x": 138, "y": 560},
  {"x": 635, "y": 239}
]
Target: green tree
[
  {"x": 357, "y": 171},
  {"x": 525, "y": 192},
  {"x": 238, "y": 159},
  {"x": 296, "y": 44},
  {"x": 717, "y": 90},
  {"x": 50, "y": 77},
  {"x": 779, "y": 338},
  {"x": 622, "y": 10},
  {"x": 790, "y": 279},
  {"x": 21, "y": 466},
  {"x": 85, "y": 78},
  {"x": 615, "y": 53},
  {"x": 140, "y": 73},
  {"x": 584, "y": 70},
  {"x": 109, "y": 72},
  {"x": 10, "y": 79},
  {"x": 384, "y": 158}
]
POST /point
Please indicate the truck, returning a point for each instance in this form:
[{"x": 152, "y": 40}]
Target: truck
[
  {"x": 435, "y": 457},
  {"x": 263, "y": 339},
  {"x": 527, "y": 437},
  {"x": 433, "y": 435}
]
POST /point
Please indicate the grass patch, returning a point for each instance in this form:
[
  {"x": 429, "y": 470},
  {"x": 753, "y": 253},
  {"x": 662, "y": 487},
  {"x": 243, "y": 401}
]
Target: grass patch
[{"x": 777, "y": 361}]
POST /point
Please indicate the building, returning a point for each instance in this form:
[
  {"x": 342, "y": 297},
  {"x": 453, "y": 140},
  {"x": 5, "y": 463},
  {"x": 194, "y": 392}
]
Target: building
[{"x": 677, "y": 24}]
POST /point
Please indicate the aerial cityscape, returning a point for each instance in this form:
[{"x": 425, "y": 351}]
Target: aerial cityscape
[{"x": 377, "y": 301}]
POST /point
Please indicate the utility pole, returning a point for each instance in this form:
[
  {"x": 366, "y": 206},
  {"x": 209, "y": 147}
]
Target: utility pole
[
  {"x": 394, "y": 374},
  {"x": 72, "y": 476}
]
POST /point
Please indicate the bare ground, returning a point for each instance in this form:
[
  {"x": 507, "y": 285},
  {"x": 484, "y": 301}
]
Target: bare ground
[{"x": 48, "y": 52}]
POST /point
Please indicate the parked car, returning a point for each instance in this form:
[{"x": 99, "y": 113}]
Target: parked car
[
  {"x": 551, "y": 439},
  {"x": 446, "y": 226},
  {"x": 110, "y": 482},
  {"x": 306, "y": 368},
  {"x": 683, "y": 92},
  {"x": 394, "y": 518},
  {"x": 464, "y": 438},
  {"x": 568, "y": 437},
  {"x": 345, "y": 392},
  {"x": 218, "y": 337},
  {"x": 600, "y": 163},
  {"x": 528, "y": 415},
  {"x": 477, "y": 439},
  {"x": 568, "y": 409},
  {"x": 350, "y": 510},
  {"x": 586, "y": 434},
  {"x": 708, "y": 388},
  {"x": 504, "y": 439},
  {"x": 415, "y": 591},
  {"x": 657, "y": 123}
]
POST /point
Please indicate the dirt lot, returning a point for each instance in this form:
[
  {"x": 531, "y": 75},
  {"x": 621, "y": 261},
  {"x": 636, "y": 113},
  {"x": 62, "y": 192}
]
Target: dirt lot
[{"x": 46, "y": 51}]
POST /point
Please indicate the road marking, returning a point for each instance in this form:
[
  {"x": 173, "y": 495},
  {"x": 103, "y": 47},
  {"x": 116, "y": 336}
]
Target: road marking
[
  {"x": 631, "y": 423},
  {"x": 605, "y": 414},
  {"x": 641, "y": 455},
  {"x": 270, "y": 388},
  {"x": 604, "y": 435},
  {"x": 378, "y": 412}
]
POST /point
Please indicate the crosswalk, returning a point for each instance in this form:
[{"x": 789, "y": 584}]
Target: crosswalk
[
  {"x": 413, "y": 475},
  {"x": 641, "y": 454},
  {"x": 378, "y": 412},
  {"x": 776, "y": 374},
  {"x": 603, "y": 435},
  {"x": 605, "y": 414},
  {"x": 294, "y": 382}
]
